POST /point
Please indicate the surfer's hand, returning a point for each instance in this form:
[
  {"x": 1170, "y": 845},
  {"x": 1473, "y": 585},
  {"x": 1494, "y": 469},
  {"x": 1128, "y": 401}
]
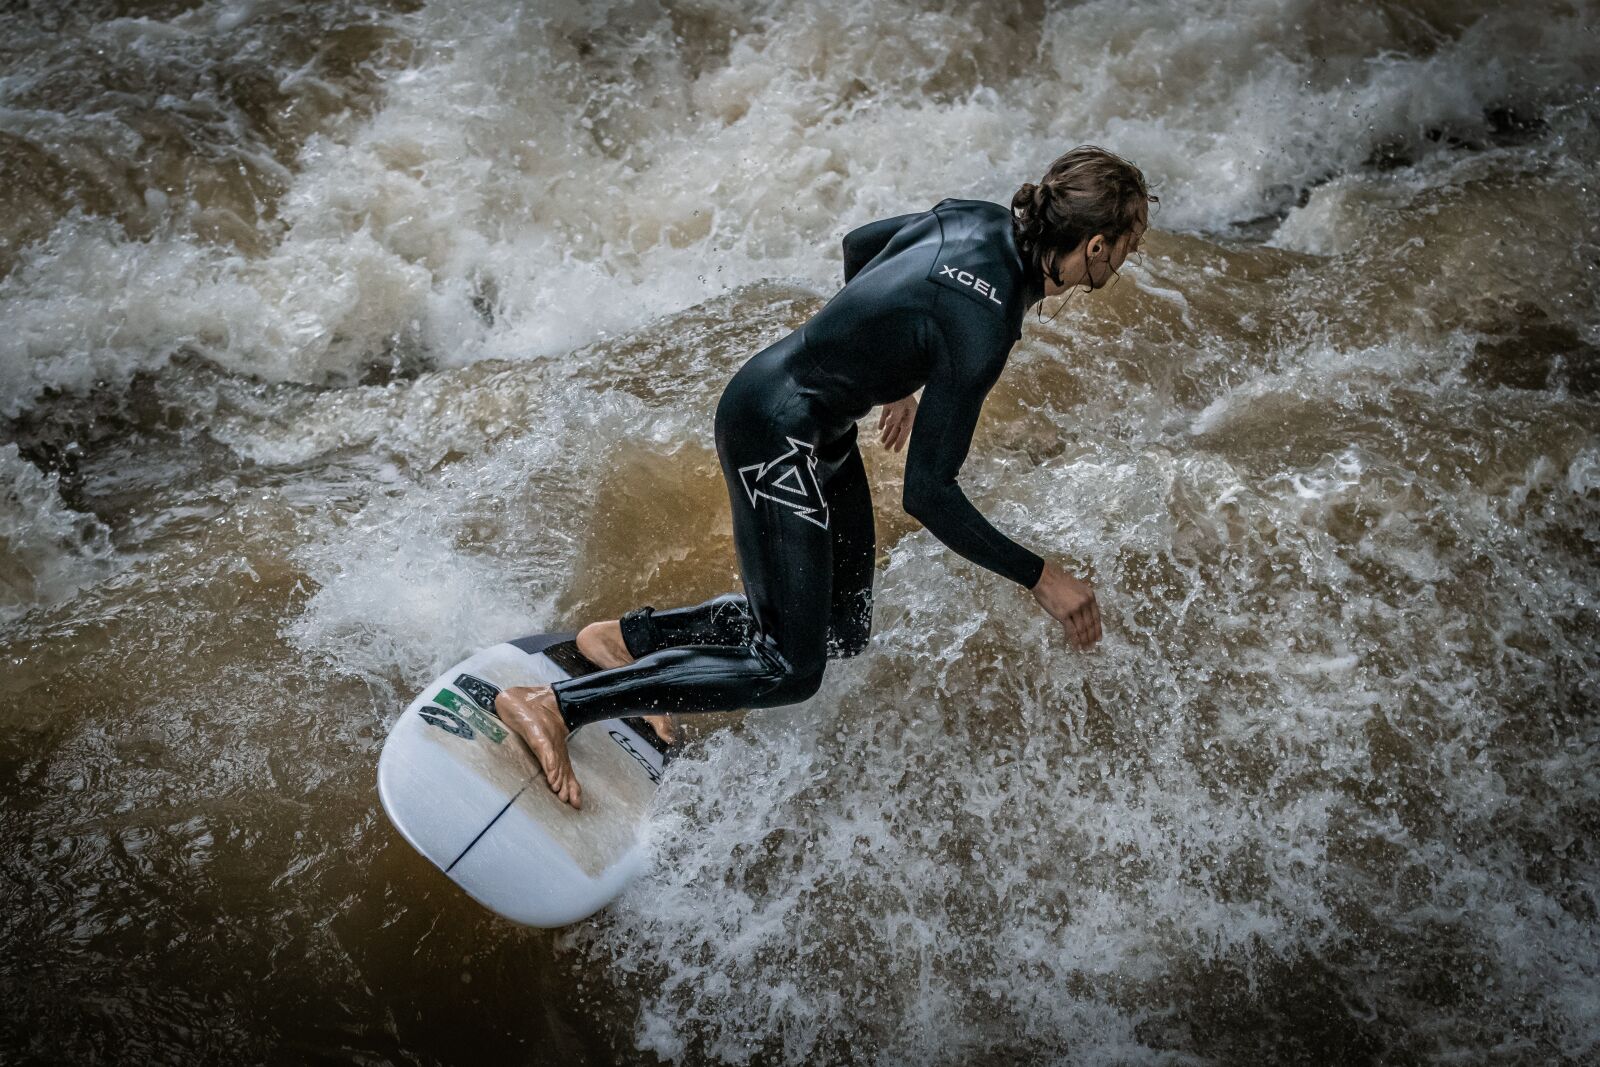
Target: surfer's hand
[
  {"x": 894, "y": 423},
  {"x": 1071, "y": 603}
]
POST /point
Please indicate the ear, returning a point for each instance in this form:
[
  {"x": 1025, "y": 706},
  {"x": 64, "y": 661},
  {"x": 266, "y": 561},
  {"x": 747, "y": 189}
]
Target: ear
[{"x": 1096, "y": 246}]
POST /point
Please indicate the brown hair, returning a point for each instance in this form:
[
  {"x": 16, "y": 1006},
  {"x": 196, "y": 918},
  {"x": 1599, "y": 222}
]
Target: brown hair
[{"x": 1085, "y": 192}]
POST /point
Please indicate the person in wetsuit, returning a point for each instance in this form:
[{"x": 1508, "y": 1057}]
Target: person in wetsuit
[{"x": 932, "y": 301}]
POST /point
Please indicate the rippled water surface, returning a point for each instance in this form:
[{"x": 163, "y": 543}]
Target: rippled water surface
[{"x": 340, "y": 339}]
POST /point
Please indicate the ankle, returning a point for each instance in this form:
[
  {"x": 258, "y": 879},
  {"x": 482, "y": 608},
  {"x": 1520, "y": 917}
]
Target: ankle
[{"x": 601, "y": 643}]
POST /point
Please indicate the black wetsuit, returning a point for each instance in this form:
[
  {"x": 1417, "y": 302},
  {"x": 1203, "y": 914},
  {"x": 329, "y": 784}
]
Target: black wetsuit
[{"x": 934, "y": 301}]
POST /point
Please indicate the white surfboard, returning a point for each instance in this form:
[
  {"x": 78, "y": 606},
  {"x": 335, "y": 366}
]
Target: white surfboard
[{"x": 465, "y": 791}]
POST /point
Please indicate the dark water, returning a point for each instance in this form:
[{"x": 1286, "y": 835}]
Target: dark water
[{"x": 341, "y": 339}]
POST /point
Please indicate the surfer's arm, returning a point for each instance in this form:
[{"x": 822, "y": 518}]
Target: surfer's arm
[
  {"x": 862, "y": 244},
  {"x": 967, "y": 356}
]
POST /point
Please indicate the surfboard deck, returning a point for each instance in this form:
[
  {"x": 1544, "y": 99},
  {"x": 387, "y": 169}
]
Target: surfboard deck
[{"x": 464, "y": 790}]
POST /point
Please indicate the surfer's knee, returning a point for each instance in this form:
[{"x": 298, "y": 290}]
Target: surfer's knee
[
  {"x": 786, "y": 679},
  {"x": 793, "y": 684},
  {"x": 796, "y": 687}
]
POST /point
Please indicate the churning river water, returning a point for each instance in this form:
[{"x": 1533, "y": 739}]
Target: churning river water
[{"x": 339, "y": 339}]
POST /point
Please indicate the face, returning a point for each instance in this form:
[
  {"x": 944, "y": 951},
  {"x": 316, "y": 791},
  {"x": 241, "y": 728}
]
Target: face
[{"x": 1094, "y": 262}]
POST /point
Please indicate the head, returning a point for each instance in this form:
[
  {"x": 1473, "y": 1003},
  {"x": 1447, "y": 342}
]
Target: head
[{"x": 1084, "y": 218}]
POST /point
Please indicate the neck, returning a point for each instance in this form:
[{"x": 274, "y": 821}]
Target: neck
[
  {"x": 1033, "y": 280},
  {"x": 1033, "y": 285}
]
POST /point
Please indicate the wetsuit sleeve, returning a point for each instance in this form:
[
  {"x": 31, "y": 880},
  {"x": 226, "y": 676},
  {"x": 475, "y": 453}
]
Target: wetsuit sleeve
[
  {"x": 863, "y": 244},
  {"x": 968, "y": 351}
]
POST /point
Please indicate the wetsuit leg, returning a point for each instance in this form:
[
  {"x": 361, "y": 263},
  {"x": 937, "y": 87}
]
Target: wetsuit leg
[
  {"x": 767, "y": 440},
  {"x": 854, "y": 556},
  {"x": 725, "y": 620}
]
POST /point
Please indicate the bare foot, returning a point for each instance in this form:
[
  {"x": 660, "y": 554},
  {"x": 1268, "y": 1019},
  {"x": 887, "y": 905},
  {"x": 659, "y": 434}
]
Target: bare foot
[
  {"x": 532, "y": 712},
  {"x": 601, "y": 644},
  {"x": 662, "y": 725}
]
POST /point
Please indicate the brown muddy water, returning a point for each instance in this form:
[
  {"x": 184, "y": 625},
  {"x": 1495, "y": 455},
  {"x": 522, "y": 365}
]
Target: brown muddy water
[{"x": 337, "y": 340}]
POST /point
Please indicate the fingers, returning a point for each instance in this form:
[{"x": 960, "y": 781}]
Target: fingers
[
  {"x": 1076, "y": 632},
  {"x": 1083, "y": 626},
  {"x": 894, "y": 423},
  {"x": 895, "y": 430},
  {"x": 1069, "y": 626},
  {"x": 1086, "y": 625}
]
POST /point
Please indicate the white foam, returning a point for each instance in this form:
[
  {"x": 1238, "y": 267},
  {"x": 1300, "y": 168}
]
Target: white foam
[
  {"x": 419, "y": 575},
  {"x": 509, "y": 170},
  {"x": 49, "y": 551}
]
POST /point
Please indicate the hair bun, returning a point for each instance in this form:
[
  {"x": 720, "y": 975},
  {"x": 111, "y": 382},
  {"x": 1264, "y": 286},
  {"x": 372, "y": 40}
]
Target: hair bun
[{"x": 1025, "y": 203}]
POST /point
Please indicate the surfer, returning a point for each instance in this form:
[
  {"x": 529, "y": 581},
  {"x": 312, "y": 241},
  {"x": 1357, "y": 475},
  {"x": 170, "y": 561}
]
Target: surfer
[{"x": 932, "y": 301}]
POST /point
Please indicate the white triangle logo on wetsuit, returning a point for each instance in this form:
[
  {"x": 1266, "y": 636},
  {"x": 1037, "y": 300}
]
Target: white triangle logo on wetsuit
[
  {"x": 797, "y": 480},
  {"x": 790, "y": 480}
]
